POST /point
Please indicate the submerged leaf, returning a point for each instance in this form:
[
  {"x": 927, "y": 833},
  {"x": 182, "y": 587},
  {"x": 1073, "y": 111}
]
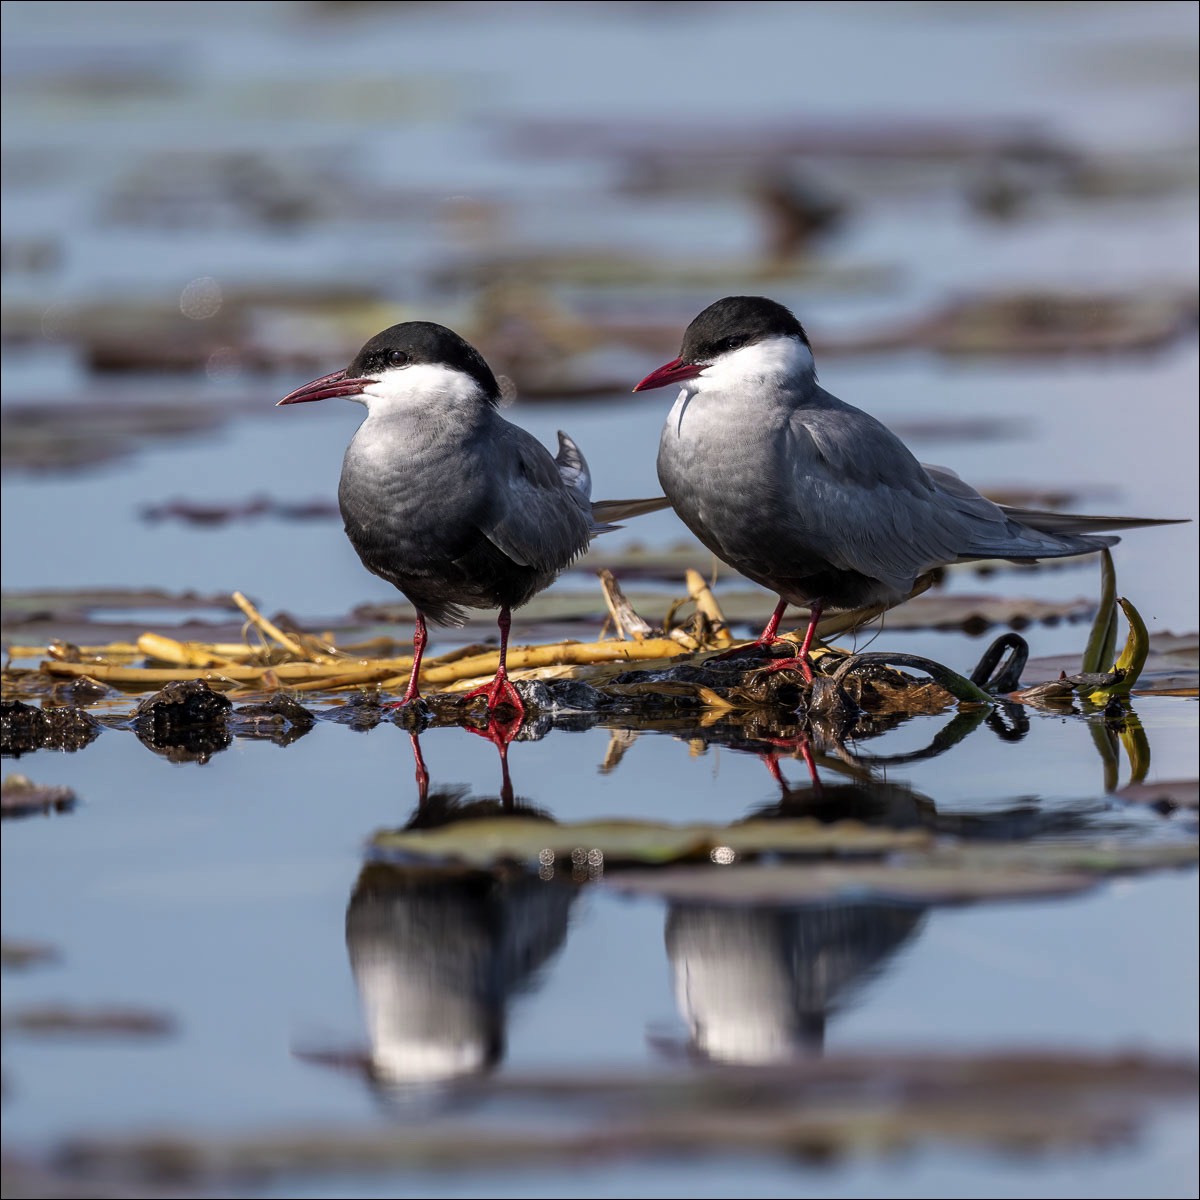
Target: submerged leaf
[
  {"x": 1165, "y": 794},
  {"x": 944, "y": 874},
  {"x": 21, "y": 797},
  {"x": 488, "y": 843},
  {"x": 921, "y": 883},
  {"x": 1020, "y": 1103}
]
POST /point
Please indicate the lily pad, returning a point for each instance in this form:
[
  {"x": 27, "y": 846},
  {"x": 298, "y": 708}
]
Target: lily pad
[
  {"x": 18, "y": 954},
  {"x": 57, "y": 1019},
  {"x": 946, "y": 874},
  {"x": 600, "y": 844},
  {"x": 816, "y": 1110},
  {"x": 21, "y": 797},
  {"x": 1166, "y": 795},
  {"x": 788, "y": 884}
]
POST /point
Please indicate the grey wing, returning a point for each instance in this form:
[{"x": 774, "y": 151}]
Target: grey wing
[
  {"x": 536, "y": 513},
  {"x": 863, "y": 502},
  {"x": 1001, "y": 531}
]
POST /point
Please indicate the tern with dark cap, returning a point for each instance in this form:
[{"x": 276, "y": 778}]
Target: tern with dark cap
[
  {"x": 448, "y": 501},
  {"x": 816, "y": 499}
]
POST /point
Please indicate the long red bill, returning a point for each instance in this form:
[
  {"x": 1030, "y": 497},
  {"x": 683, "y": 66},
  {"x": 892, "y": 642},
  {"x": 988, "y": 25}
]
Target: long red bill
[
  {"x": 672, "y": 372},
  {"x": 327, "y": 387}
]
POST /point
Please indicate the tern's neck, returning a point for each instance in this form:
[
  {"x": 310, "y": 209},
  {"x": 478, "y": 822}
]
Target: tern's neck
[
  {"x": 425, "y": 393},
  {"x": 777, "y": 365}
]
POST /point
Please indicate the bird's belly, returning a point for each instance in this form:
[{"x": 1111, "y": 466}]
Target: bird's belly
[
  {"x": 726, "y": 500},
  {"x": 718, "y": 494},
  {"x": 418, "y": 528}
]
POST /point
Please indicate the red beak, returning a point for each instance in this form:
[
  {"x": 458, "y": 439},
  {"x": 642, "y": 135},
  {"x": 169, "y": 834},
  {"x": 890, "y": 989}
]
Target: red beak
[
  {"x": 326, "y": 388},
  {"x": 672, "y": 372}
]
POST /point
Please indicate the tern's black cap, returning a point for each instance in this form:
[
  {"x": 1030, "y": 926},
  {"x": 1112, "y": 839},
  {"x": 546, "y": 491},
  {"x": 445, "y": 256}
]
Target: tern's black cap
[
  {"x": 423, "y": 342},
  {"x": 734, "y": 322}
]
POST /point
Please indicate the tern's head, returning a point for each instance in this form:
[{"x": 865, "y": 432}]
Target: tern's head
[
  {"x": 741, "y": 340},
  {"x": 414, "y": 363}
]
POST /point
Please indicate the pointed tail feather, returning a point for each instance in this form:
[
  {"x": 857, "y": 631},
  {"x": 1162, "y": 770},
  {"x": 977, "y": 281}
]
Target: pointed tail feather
[
  {"x": 1059, "y": 522},
  {"x": 572, "y": 466},
  {"x": 622, "y": 510}
]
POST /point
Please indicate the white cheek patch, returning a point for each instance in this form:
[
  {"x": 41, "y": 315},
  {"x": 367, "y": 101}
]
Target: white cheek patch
[
  {"x": 420, "y": 386},
  {"x": 771, "y": 360}
]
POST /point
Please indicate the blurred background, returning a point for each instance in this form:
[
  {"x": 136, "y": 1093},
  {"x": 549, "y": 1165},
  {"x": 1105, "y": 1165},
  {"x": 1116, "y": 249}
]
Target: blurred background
[{"x": 985, "y": 215}]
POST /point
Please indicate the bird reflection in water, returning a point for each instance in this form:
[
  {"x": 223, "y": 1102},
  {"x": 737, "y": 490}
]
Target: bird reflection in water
[
  {"x": 495, "y": 733},
  {"x": 758, "y": 984},
  {"x": 438, "y": 954}
]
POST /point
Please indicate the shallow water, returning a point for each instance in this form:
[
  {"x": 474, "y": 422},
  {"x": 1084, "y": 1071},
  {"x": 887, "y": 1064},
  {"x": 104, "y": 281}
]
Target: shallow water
[{"x": 219, "y": 894}]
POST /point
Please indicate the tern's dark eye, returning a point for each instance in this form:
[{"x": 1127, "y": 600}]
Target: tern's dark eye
[
  {"x": 396, "y": 358},
  {"x": 730, "y": 343}
]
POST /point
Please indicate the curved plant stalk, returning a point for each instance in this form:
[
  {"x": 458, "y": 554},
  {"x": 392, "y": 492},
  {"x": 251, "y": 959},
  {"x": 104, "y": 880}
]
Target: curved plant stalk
[
  {"x": 1137, "y": 747},
  {"x": 1129, "y": 666},
  {"x": 960, "y": 688},
  {"x": 1109, "y": 737},
  {"x": 961, "y": 725},
  {"x": 997, "y": 678},
  {"x": 1105, "y": 742},
  {"x": 1102, "y": 641},
  {"x": 706, "y": 603},
  {"x": 268, "y": 628}
]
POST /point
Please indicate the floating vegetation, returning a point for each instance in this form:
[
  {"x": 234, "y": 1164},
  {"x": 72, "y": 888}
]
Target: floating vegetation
[
  {"x": 1165, "y": 795},
  {"x": 20, "y": 954},
  {"x": 782, "y": 860},
  {"x": 817, "y": 1111},
  {"x": 603, "y": 845},
  {"x": 21, "y": 797},
  {"x": 646, "y": 668},
  {"x": 189, "y": 700},
  {"x": 1034, "y": 324},
  {"x": 60, "y": 1020}
]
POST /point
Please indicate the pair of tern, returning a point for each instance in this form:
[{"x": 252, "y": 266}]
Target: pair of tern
[{"x": 797, "y": 490}]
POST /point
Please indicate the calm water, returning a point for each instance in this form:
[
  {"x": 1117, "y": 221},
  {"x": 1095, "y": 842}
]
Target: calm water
[{"x": 222, "y": 894}]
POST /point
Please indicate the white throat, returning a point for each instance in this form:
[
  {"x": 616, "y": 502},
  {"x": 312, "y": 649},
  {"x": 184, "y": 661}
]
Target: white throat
[
  {"x": 420, "y": 387},
  {"x": 773, "y": 362},
  {"x": 744, "y": 381}
]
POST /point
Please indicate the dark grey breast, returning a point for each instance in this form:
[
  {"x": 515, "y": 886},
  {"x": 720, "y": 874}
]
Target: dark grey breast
[{"x": 457, "y": 510}]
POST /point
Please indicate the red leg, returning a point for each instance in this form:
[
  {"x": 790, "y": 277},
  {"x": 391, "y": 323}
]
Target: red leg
[
  {"x": 500, "y": 733},
  {"x": 801, "y": 659},
  {"x": 764, "y": 642},
  {"x": 506, "y": 788},
  {"x": 801, "y": 744},
  {"x": 420, "y": 637},
  {"x": 500, "y": 690},
  {"x": 767, "y": 637},
  {"x": 422, "y": 772},
  {"x": 772, "y": 765}
]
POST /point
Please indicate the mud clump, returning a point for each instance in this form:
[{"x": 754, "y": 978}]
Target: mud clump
[
  {"x": 280, "y": 719},
  {"x": 185, "y": 722},
  {"x": 25, "y": 728}
]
